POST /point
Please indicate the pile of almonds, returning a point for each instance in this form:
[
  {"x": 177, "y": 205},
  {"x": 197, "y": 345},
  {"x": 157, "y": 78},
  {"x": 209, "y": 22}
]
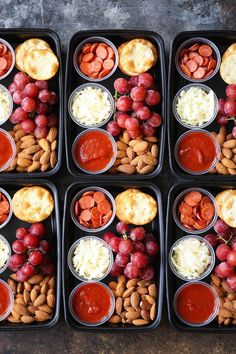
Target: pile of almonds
[
  {"x": 33, "y": 154},
  {"x": 135, "y": 301},
  {"x": 135, "y": 156},
  {"x": 227, "y": 297},
  {"x": 227, "y": 163},
  {"x": 34, "y": 300}
]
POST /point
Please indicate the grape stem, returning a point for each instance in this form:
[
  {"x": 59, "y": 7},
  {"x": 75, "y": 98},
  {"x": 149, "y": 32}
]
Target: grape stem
[
  {"x": 219, "y": 237},
  {"x": 115, "y": 97}
]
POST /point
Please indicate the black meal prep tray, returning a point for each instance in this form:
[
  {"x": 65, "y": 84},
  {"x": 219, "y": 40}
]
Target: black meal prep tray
[
  {"x": 222, "y": 39},
  {"x": 16, "y": 36},
  {"x": 52, "y": 225},
  {"x": 73, "y": 80},
  {"x": 173, "y": 233},
  {"x": 71, "y": 233}
]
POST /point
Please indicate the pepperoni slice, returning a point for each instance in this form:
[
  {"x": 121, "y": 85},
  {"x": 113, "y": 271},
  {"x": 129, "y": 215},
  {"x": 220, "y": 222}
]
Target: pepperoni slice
[
  {"x": 87, "y": 57},
  {"x": 199, "y": 73},
  {"x": 205, "y": 50},
  {"x": 108, "y": 64},
  {"x": 199, "y": 225},
  {"x": 193, "y": 198},
  {"x": 86, "y": 202},
  {"x": 197, "y": 58},
  {"x": 111, "y": 53},
  {"x": 86, "y": 48},
  {"x": 3, "y": 218},
  {"x": 183, "y": 51},
  {"x": 185, "y": 209},
  {"x": 185, "y": 70},
  {"x": 194, "y": 47},
  {"x": 4, "y": 207},
  {"x": 209, "y": 73},
  {"x": 85, "y": 68},
  {"x": 93, "y": 48},
  {"x": 3, "y": 63},
  {"x": 187, "y": 220},
  {"x": 192, "y": 65},
  {"x": 104, "y": 73},
  {"x": 104, "y": 207},
  {"x": 205, "y": 61},
  {"x": 211, "y": 64},
  {"x": 101, "y": 52},
  {"x": 77, "y": 208},
  {"x": 95, "y": 66},
  {"x": 91, "y": 193},
  {"x": 208, "y": 212}
]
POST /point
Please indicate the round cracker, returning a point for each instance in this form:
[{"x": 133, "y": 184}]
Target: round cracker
[
  {"x": 22, "y": 50},
  {"x": 135, "y": 207},
  {"x": 228, "y": 69},
  {"x": 221, "y": 199},
  {"x": 41, "y": 64},
  {"x": 229, "y": 211},
  {"x": 231, "y": 49},
  {"x": 137, "y": 56},
  {"x": 32, "y": 204}
]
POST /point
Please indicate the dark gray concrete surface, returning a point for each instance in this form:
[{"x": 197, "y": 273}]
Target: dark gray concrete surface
[{"x": 167, "y": 17}]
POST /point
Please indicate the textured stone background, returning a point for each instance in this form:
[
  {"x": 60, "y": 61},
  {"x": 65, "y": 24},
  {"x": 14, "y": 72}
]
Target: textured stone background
[{"x": 166, "y": 17}]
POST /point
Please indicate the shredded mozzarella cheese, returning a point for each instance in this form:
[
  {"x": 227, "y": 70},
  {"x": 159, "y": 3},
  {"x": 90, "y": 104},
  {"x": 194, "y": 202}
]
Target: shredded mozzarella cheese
[
  {"x": 4, "y": 253},
  {"x": 4, "y": 105}
]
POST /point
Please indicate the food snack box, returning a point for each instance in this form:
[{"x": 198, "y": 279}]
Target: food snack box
[
  {"x": 36, "y": 54},
  {"x": 216, "y": 242},
  {"x": 70, "y": 281},
  {"x": 221, "y": 128},
  {"x": 155, "y": 66},
  {"x": 35, "y": 285}
]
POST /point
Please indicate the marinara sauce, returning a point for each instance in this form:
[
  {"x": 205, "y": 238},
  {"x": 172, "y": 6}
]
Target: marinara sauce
[
  {"x": 6, "y": 150},
  {"x": 196, "y": 151},
  {"x": 91, "y": 302},
  {"x": 195, "y": 303},
  {"x": 94, "y": 151},
  {"x": 5, "y": 300}
]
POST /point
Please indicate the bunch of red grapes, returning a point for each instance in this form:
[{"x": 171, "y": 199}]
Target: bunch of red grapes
[
  {"x": 31, "y": 253},
  {"x": 225, "y": 240},
  {"x": 134, "y": 251},
  {"x": 133, "y": 107},
  {"x": 227, "y": 108},
  {"x": 36, "y": 101}
]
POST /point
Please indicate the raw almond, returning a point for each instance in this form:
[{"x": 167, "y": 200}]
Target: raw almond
[
  {"x": 232, "y": 171},
  {"x": 127, "y": 302},
  {"x": 134, "y": 300},
  {"x": 140, "y": 322},
  {"x": 26, "y": 296},
  {"x": 149, "y": 159},
  {"x": 153, "y": 312},
  {"x": 225, "y": 313},
  {"x": 226, "y": 287},
  {"x": 45, "y": 157},
  {"x": 52, "y": 283},
  {"x": 19, "y": 288},
  {"x": 145, "y": 305},
  {"x": 120, "y": 289},
  {"x": 32, "y": 149},
  {"x": 35, "y": 279},
  {"x": 20, "y": 301},
  {"x": 141, "y": 163},
  {"x": 34, "y": 167},
  {"x": 40, "y": 300},
  {"x": 44, "y": 144},
  {"x": 46, "y": 280},
  {"x": 143, "y": 283},
  {"x": 37, "y": 288},
  {"x": 126, "y": 168},
  {"x": 145, "y": 315},
  {"x": 126, "y": 137},
  {"x": 32, "y": 309},
  {"x": 27, "y": 319},
  {"x": 114, "y": 319},
  {"x": 13, "y": 276},
  {"x": 231, "y": 144},
  {"x": 135, "y": 161},
  {"x": 54, "y": 145},
  {"x": 12, "y": 285},
  {"x": 45, "y": 167},
  {"x": 141, "y": 146},
  {"x": 12, "y": 133},
  {"x": 119, "y": 305},
  {"x": 154, "y": 151},
  {"x": 27, "y": 143},
  {"x": 20, "y": 309},
  {"x": 132, "y": 315},
  {"x": 125, "y": 160},
  {"x": 221, "y": 169},
  {"x": 15, "y": 314},
  {"x": 132, "y": 282},
  {"x": 19, "y": 134},
  {"x": 38, "y": 155},
  {"x": 227, "y": 153},
  {"x": 117, "y": 162},
  {"x": 45, "y": 308},
  {"x": 23, "y": 155},
  {"x": 146, "y": 169},
  {"x": 53, "y": 159},
  {"x": 16, "y": 127},
  {"x": 52, "y": 134},
  {"x": 132, "y": 143},
  {"x": 120, "y": 154},
  {"x": 151, "y": 139},
  {"x": 51, "y": 300},
  {"x": 142, "y": 290},
  {"x": 23, "y": 162},
  {"x": 21, "y": 169},
  {"x": 228, "y": 163},
  {"x": 51, "y": 292},
  {"x": 216, "y": 280},
  {"x": 128, "y": 292},
  {"x": 152, "y": 290},
  {"x": 130, "y": 153},
  {"x": 41, "y": 316},
  {"x": 121, "y": 146},
  {"x": 112, "y": 285},
  {"x": 12, "y": 319}
]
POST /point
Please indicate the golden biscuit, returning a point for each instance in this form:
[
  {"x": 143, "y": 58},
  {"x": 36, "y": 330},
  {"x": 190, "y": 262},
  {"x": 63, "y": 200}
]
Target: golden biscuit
[
  {"x": 41, "y": 64},
  {"x": 231, "y": 49},
  {"x": 32, "y": 204},
  {"x": 19, "y": 60},
  {"x": 221, "y": 198},
  {"x": 137, "y": 56},
  {"x": 228, "y": 69},
  {"x": 135, "y": 207},
  {"x": 229, "y": 211}
]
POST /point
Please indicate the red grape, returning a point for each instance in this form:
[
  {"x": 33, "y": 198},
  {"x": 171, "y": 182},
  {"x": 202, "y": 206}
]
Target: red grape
[
  {"x": 231, "y": 281},
  {"x": 20, "y": 114},
  {"x": 44, "y": 246},
  {"x": 135, "y": 133},
  {"x": 149, "y": 237},
  {"x": 18, "y": 97},
  {"x": 36, "y": 258},
  {"x": 141, "y": 260},
  {"x": 31, "y": 90},
  {"x": 21, "y": 80},
  {"x": 124, "y": 104},
  {"x": 131, "y": 271},
  {"x": 145, "y": 80},
  {"x": 126, "y": 246},
  {"x": 113, "y": 128},
  {"x": 21, "y": 232},
  {"x": 31, "y": 241},
  {"x": 230, "y": 108},
  {"x": 40, "y": 133},
  {"x": 139, "y": 246},
  {"x": 138, "y": 93},
  {"x": 37, "y": 229},
  {"x": 143, "y": 113},
  {"x": 221, "y": 228},
  {"x": 221, "y": 119},
  {"x": 231, "y": 258},
  {"x": 137, "y": 234},
  {"x": 28, "y": 104},
  {"x": 121, "y": 119},
  {"x": 107, "y": 236},
  {"x": 13, "y": 119},
  {"x": 148, "y": 130},
  {"x": 12, "y": 266},
  {"x": 133, "y": 81},
  {"x": 231, "y": 91},
  {"x": 18, "y": 247},
  {"x": 116, "y": 270},
  {"x": 147, "y": 273},
  {"x": 155, "y": 120},
  {"x": 152, "y": 97},
  {"x": 222, "y": 252},
  {"x": 20, "y": 276},
  {"x": 212, "y": 239},
  {"x": 12, "y": 88},
  {"x": 221, "y": 102},
  {"x": 28, "y": 125},
  {"x": 48, "y": 268},
  {"x": 28, "y": 270},
  {"x": 44, "y": 95},
  {"x": 114, "y": 243},
  {"x": 41, "y": 107},
  {"x": 217, "y": 273},
  {"x": 225, "y": 269},
  {"x": 136, "y": 105},
  {"x": 42, "y": 84},
  {"x": 152, "y": 248},
  {"x": 122, "y": 259},
  {"x": 52, "y": 120},
  {"x": 121, "y": 86},
  {"x": 41, "y": 120},
  {"x": 131, "y": 123},
  {"x": 17, "y": 260},
  {"x": 122, "y": 227},
  {"x": 53, "y": 99}
]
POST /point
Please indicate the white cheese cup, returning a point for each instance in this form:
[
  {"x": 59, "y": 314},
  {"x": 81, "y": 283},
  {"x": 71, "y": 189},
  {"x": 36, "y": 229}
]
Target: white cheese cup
[
  {"x": 9, "y": 253},
  {"x": 10, "y": 101}
]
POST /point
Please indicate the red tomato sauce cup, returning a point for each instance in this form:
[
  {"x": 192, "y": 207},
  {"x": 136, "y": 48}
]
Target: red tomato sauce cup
[
  {"x": 7, "y": 150},
  {"x": 6, "y": 300}
]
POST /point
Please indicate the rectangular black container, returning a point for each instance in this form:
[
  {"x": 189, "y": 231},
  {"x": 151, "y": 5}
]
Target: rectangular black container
[
  {"x": 222, "y": 39},
  {"x": 16, "y": 36},
  {"x": 73, "y": 80},
  {"x": 71, "y": 233},
  {"x": 173, "y": 233},
  {"x": 53, "y": 235}
]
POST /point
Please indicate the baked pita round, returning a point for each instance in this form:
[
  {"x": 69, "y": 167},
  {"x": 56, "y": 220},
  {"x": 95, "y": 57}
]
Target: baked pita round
[
  {"x": 22, "y": 50},
  {"x": 228, "y": 68},
  {"x": 41, "y": 64},
  {"x": 229, "y": 211},
  {"x": 135, "y": 207},
  {"x": 231, "y": 49},
  {"x": 32, "y": 204},
  {"x": 137, "y": 56},
  {"x": 221, "y": 199}
]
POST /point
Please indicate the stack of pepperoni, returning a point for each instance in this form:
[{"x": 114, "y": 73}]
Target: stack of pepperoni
[
  {"x": 196, "y": 211},
  {"x": 5, "y": 59},
  {"x": 197, "y": 61},
  {"x": 4, "y": 208},
  {"x": 93, "y": 209},
  {"x": 96, "y": 60}
]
